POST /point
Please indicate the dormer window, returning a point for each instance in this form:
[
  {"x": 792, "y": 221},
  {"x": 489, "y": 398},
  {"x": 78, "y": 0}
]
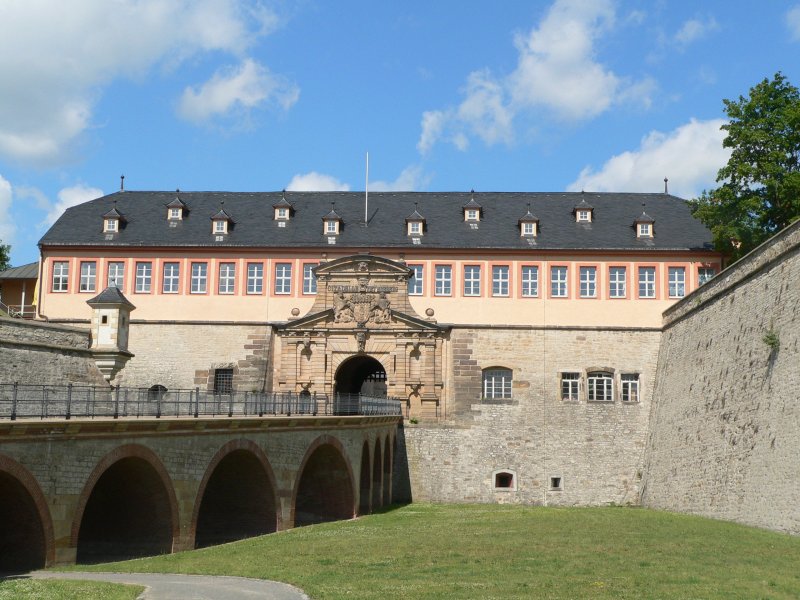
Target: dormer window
[
  {"x": 281, "y": 213},
  {"x": 529, "y": 229},
  {"x": 528, "y": 224},
  {"x": 220, "y": 226},
  {"x": 472, "y": 210},
  {"x": 175, "y": 213},
  {"x": 111, "y": 225},
  {"x": 645, "y": 230},
  {"x": 472, "y": 215},
  {"x": 645, "y": 225},
  {"x": 283, "y": 208},
  {"x": 331, "y": 222},
  {"x": 415, "y": 223},
  {"x": 584, "y": 216},
  {"x": 220, "y": 222},
  {"x": 583, "y": 212},
  {"x": 175, "y": 210},
  {"x": 112, "y": 220}
]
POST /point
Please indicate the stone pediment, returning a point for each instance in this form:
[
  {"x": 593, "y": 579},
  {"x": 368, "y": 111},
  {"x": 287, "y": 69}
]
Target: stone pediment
[{"x": 327, "y": 320}]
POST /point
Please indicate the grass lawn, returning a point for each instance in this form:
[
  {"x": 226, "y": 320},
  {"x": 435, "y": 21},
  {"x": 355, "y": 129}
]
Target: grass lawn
[
  {"x": 492, "y": 551},
  {"x": 14, "y": 589}
]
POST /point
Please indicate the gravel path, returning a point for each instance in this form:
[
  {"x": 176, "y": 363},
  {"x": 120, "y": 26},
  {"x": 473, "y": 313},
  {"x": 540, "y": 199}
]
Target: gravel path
[{"x": 190, "y": 587}]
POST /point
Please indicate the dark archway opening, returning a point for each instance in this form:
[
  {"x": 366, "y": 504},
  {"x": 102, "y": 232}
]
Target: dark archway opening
[
  {"x": 238, "y": 502},
  {"x": 325, "y": 492},
  {"x": 364, "y": 481},
  {"x": 377, "y": 480},
  {"x": 22, "y": 542},
  {"x": 361, "y": 375},
  {"x": 387, "y": 474},
  {"x": 127, "y": 515}
]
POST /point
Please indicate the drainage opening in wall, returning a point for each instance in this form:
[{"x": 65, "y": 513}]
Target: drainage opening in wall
[
  {"x": 504, "y": 480},
  {"x": 555, "y": 484}
]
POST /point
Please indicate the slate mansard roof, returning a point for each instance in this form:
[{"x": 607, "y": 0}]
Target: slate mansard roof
[{"x": 611, "y": 228}]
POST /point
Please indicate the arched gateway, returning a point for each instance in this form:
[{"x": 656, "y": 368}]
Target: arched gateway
[{"x": 363, "y": 336}]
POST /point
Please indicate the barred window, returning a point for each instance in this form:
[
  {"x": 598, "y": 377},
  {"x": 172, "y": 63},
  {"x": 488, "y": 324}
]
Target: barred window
[
  {"x": 588, "y": 282},
  {"x": 255, "y": 278},
  {"x": 601, "y": 387},
  {"x": 223, "y": 381},
  {"x": 60, "y": 276},
  {"x": 500, "y": 280},
  {"x": 415, "y": 281},
  {"x": 570, "y": 386},
  {"x": 144, "y": 274},
  {"x": 497, "y": 383},
  {"x": 199, "y": 278},
  {"x": 227, "y": 278},
  {"x": 309, "y": 279},
  {"x": 630, "y": 387},
  {"x": 444, "y": 280},
  {"x": 88, "y": 276},
  {"x": 530, "y": 281},
  {"x": 616, "y": 282}
]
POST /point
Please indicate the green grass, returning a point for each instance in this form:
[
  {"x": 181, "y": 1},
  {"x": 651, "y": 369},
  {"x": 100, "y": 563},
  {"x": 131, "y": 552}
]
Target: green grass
[
  {"x": 491, "y": 551},
  {"x": 54, "y": 589}
]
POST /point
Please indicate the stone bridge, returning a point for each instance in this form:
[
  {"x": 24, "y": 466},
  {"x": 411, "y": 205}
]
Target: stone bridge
[{"x": 84, "y": 490}]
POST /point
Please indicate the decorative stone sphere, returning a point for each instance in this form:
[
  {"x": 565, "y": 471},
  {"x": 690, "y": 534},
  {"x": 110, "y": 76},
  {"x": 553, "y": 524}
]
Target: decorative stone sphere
[
  {"x": 295, "y": 312},
  {"x": 429, "y": 312}
]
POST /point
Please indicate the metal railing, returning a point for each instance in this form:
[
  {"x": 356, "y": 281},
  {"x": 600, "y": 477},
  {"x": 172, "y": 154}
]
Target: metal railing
[
  {"x": 21, "y": 401},
  {"x": 20, "y": 311}
]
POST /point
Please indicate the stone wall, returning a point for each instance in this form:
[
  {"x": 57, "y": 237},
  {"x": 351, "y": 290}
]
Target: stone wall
[
  {"x": 596, "y": 449},
  {"x": 44, "y": 353},
  {"x": 725, "y": 438}
]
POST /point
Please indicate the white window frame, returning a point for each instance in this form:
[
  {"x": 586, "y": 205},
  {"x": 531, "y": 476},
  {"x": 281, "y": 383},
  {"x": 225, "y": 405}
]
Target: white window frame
[
  {"x": 571, "y": 386},
  {"x": 617, "y": 282},
  {"x": 472, "y": 214},
  {"x": 647, "y": 282},
  {"x": 415, "y": 282},
  {"x": 88, "y": 281},
  {"x": 443, "y": 280},
  {"x": 584, "y": 216},
  {"x": 645, "y": 230},
  {"x": 175, "y": 214},
  {"x": 472, "y": 280},
  {"x": 283, "y": 278},
  {"x": 116, "y": 274},
  {"x": 144, "y": 277},
  {"x": 309, "y": 279},
  {"x": 220, "y": 226},
  {"x": 415, "y": 228},
  {"x": 676, "y": 279},
  {"x": 255, "y": 278},
  {"x": 282, "y": 214},
  {"x": 500, "y": 280},
  {"x": 497, "y": 383},
  {"x": 226, "y": 283},
  {"x": 588, "y": 282},
  {"x": 529, "y": 281},
  {"x": 558, "y": 281},
  {"x": 529, "y": 228},
  {"x": 331, "y": 226},
  {"x": 630, "y": 387},
  {"x": 199, "y": 280},
  {"x": 170, "y": 278},
  {"x": 704, "y": 274},
  {"x": 111, "y": 225},
  {"x": 600, "y": 386}
]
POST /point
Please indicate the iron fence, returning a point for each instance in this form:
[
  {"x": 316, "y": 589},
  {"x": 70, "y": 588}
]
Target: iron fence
[{"x": 21, "y": 401}]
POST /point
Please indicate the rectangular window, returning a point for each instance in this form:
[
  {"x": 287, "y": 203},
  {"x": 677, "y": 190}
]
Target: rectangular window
[
  {"x": 704, "y": 274},
  {"x": 415, "y": 227},
  {"x": 199, "y": 278},
  {"x": 677, "y": 282},
  {"x": 309, "y": 279},
  {"x": 174, "y": 213},
  {"x": 497, "y": 383},
  {"x": 111, "y": 224},
  {"x": 144, "y": 274},
  {"x": 530, "y": 281},
  {"x": 223, "y": 381},
  {"x": 630, "y": 387},
  {"x": 255, "y": 278},
  {"x": 588, "y": 282},
  {"x": 172, "y": 271},
  {"x": 283, "y": 278},
  {"x": 570, "y": 385},
  {"x": 444, "y": 280},
  {"x": 558, "y": 282},
  {"x": 60, "y": 276},
  {"x": 601, "y": 387},
  {"x": 472, "y": 280},
  {"x": 227, "y": 278},
  {"x": 415, "y": 281},
  {"x": 116, "y": 274},
  {"x": 88, "y": 276},
  {"x": 647, "y": 282},
  {"x": 616, "y": 282},
  {"x": 219, "y": 226},
  {"x": 528, "y": 229},
  {"x": 500, "y": 280},
  {"x": 330, "y": 226}
]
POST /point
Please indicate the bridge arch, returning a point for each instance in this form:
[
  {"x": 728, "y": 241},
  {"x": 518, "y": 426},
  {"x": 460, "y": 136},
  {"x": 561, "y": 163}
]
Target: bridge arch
[
  {"x": 127, "y": 507},
  {"x": 324, "y": 487},
  {"x": 237, "y": 497},
  {"x": 26, "y": 540},
  {"x": 365, "y": 481}
]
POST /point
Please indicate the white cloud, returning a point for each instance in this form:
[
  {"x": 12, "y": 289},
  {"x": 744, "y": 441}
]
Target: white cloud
[
  {"x": 410, "y": 179},
  {"x": 316, "y": 182},
  {"x": 55, "y": 58},
  {"x": 246, "y": 86},
  {"x": 689, "y": 156},
  {"x": 556, "y": 71},
  {"x": 694, "y": 29},
  {"x": 8, "y": 229},
  {"x": 793, "y": 22},
  {"x": 70, "y": 196}
]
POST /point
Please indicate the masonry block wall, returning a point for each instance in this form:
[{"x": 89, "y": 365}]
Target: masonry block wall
[
  {"x": 46, "y": 354},
  {"x": 725, "y": 424},
  {"x": 595, "y": 449},
  {"x": 185, "y": 355}
]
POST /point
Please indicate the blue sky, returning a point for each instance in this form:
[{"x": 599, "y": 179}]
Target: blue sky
[{"x": 602, "y": 95}]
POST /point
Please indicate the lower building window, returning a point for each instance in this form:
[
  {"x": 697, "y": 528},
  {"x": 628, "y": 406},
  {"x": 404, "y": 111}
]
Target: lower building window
[
  {"x": 677, "y": 282},
  {"x": 223, "y": 381},
  {"x": 556, "y": 484},
  {"x": 570, "y": 385},
  {"x": 415, "y": 281},
  {"x": 630, "y": 387},
  {"x": 504, "y": 480},
  {"x": 497, "y": 383},
  {"x": 704, "y": 274},
  {"x": 601, "y": 387}
]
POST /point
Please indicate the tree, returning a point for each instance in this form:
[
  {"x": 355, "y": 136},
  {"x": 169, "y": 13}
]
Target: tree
[
  {"x": 760, "y": 186},
  {"x": 5, "y": 256}
]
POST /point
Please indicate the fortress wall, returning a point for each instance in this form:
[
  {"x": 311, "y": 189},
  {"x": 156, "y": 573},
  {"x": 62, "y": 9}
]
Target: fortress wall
[
  {"x": 595, "y": 448},
  {"x": 725, "y": 430},
  {"x": 33, "y": 352}
]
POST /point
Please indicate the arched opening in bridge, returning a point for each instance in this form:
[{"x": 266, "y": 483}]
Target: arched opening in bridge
[
  {"x": 127, "y": 514},
  {"x": 22, "y": 541},
  {"x": 387, "y": 474},
  {"x": 361, "y": 375},
  {"x": 238, "y": 502},
  {"x": 325, "y": 492},
  {"x": 377, "y": 480},
  {"x": 364, "y": 481}
]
